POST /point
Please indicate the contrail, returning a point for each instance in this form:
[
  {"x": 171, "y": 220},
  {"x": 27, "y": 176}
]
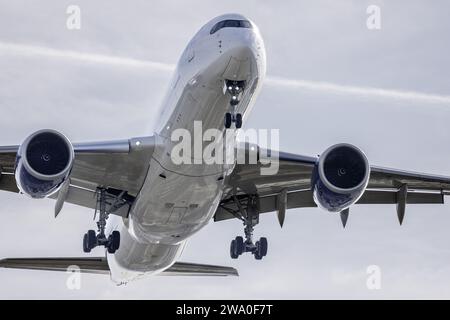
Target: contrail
[
  {"x": 27, "y": 50},
  {"x": 329, "y": 87},
  {"x": 325, "y": 87}
]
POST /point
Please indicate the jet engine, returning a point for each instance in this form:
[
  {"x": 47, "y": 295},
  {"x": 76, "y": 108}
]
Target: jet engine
[
  {"x": 44, "y": 161},
  {"x": 340, "y": 177}
]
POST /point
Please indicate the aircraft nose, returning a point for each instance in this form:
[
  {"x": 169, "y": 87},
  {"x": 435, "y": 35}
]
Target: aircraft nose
[
  {"x": 241, "y": 61},
  {"x": 243, "y": 52},
  {"x": 239, "y": 43}
]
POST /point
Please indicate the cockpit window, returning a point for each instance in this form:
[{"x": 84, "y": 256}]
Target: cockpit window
[{"x": 230, "y": 24}]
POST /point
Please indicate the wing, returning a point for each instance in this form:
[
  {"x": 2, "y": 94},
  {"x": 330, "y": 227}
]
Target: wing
[
  {"x": 291, "y": 187},
  {"x": 120, "y": 166},
  {"x": 100, "y": 266}
]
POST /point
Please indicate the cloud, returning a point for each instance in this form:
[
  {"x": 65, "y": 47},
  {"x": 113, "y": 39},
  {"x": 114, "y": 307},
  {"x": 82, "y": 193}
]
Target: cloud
[
  {"x": 321, "y": 86},
  {"x": 92, "y": 96}
]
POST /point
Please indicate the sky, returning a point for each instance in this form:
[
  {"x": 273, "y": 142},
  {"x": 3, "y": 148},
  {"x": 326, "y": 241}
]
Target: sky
[{"x": 329, "y": 79}]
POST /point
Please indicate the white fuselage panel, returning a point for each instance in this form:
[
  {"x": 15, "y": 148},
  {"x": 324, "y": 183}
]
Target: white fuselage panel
[{"x": 177, "y": 200}]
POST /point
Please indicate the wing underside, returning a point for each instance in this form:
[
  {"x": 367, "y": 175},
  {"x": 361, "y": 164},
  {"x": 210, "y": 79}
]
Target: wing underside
[
  {"x": 120, "y": 166},
  {"x": 100, "y": 266},
  {"x": 293, "y": 180}
]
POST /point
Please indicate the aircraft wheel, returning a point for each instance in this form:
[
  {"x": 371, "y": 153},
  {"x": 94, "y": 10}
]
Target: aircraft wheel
[
  {"x": 257, "y": 252},
  {"x": 233, "y": 250},
  {"x": 240, "y": 246},
  {"x": 263, "y": 246},
  {"x": 86, "y": 247},
  {"x": 91, "y": 239},
  {"x": 228, "y": 120},
  {"x": 238, "y": 120},
  {"x": 113, "y": 242}
]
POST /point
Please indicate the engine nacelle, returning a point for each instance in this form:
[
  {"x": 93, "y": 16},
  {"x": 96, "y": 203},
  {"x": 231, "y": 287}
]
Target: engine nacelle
[
  {"x": 340, "y": 177},
  {"x": 44, "y": 161}
]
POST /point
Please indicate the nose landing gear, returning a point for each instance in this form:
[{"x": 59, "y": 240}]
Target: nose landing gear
[
  {"x": 231, "y": 117},
  {"x": 235, "y": 89},
  {"x": 250, "y": 217},
  {"x": 92, "y": 239}
]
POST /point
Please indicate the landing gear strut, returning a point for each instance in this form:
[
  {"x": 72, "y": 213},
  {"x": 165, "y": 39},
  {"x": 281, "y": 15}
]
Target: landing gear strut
[
  {"x": 235, "y": 89},
  {"x": 250, "y": 218},
  {"x": 92, "y": 239}
]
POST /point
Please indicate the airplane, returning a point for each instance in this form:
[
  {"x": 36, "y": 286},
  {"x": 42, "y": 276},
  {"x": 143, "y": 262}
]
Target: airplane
[{"x": 148, "y": 206}]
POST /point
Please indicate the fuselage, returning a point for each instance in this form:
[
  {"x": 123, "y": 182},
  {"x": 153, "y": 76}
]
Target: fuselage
[{"x": 177, "y": 200}]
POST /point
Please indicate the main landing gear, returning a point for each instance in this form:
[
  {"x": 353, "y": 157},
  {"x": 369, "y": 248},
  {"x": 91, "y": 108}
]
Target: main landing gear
[
  {"x": 250, "y": 217},
  {"x": 239, "y": 246},
  {"x": 235, "y": 89},
  {"x": 92, "y": 239}
]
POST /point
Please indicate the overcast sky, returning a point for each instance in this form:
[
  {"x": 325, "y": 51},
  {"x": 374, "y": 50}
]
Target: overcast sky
[{"x": 307, "y": 42}]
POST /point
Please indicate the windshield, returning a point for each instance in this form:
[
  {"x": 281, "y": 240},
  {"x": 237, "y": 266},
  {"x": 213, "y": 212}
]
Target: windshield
[{"x": 230, "y": 24}]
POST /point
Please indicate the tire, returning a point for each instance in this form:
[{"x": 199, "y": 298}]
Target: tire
[
  {"x": 86, "y": 248},
  {"x": 238, "y": 121},
  {"x": 227, "y": 120},
  {"x": 257, "y": 252},
  {"x": 233, "y": 252},
  {"x": 91, "y": 239},
  {"x": 240, "y": 246},
  {"x": 263, "y": 246},
  {"x": 116, "y": 239},
  {"x": 114, "y": 242}
]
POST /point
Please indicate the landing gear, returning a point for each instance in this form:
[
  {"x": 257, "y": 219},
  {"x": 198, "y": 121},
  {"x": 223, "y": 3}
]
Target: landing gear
[
  {"x": 89, "y": 241},
  {"x": 113, "y": 241},
  {"x": 250, "y": 218},
  {"x": 238, "y": 121},
  {"x": 235, "y": 89},
  {"x": 237, "y": 247},
  {"x": 261, "y": 248},
  {"x": 92, "y": 239},
  {"x": 230, "y": 118}
]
